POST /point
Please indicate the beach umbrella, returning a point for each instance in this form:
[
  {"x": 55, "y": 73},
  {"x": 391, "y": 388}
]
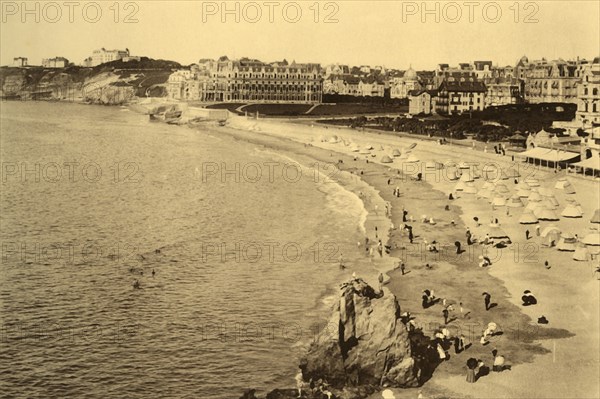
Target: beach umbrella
[
  {"x": 571, "y": 211},
  {"x": 386, "y": 159},
  {"x": 596, "y": 217},
  {"x": 528, "y": 218},
  {"x": 514, "y": 202},
  {"x": 581, "y": 253},
  {"x": 522, "y": 193},
  {"x": 560, "y": 183},
  {"x": 543, "y": 213},
  {"x": 591, "y": 239},
  {"x": 396, "y": 152},
  {"x": 567, "y": 242},
  {"x": 570, "y": 189},
  {"x": 499, "y": 201},
  {"x": 369, "y": 147},
  {"x": 355, "y": 148},
  {"x": 497, "y": 232},
  {"x": 552, "y": 201},
  {"x": 532, "y": 206}
]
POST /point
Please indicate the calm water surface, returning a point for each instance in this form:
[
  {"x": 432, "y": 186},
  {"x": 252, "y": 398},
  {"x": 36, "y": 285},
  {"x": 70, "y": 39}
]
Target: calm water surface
[{"x": 89, "y": 194}]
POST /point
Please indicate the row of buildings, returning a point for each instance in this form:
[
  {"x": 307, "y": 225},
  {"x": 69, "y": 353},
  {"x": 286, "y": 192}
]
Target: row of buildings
[
  {"x": 98, "y": 57},
  {"x": 247, "y": 80}
]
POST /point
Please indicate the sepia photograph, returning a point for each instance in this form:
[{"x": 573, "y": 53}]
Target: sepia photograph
[{"x": 305, "y": 199}]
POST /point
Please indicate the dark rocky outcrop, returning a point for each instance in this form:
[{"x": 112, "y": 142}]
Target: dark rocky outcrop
[{"x": 370, "y": 345}]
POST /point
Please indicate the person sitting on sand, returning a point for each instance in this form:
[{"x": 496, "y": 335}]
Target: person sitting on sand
[{"x": 528, "y": 298}]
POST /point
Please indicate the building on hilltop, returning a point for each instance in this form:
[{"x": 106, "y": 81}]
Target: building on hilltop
[
  {"x": 57, "y": 62},
  {"x": 102, "y": 56},
  {"x": 20, "y": 61},
  {"x": 400, "y": 86}
]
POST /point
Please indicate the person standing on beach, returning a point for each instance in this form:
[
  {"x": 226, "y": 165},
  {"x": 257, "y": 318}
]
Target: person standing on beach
[
  {"x": 410, "y": 236},
  {"x": 537, "y": 230},
  {"x": 341, "y": 259},
  {"x": 486, "y": 299},
  {"x": 402, "y": 267},
  {"x": 527, "y": 234},
  {"x": 380, "y": 249},
  {"x": 404, "y": 213},
  {"x": 445, "y": 313},
  {"x": 380, "y": 279}
]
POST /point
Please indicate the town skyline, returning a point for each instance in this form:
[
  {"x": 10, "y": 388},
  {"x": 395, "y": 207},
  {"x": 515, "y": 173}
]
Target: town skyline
[{"x": 391, "y": 35}]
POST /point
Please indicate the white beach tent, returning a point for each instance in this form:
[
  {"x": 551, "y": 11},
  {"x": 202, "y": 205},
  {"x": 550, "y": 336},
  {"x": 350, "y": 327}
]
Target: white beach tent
[
  {"x": 528, "y": 218},
  {"x": 501, "y": 189},
  {"x": 386, "y": 159},
  {"x": 412, "y": 159},
  {"x": 467, "y": 177},
  {"x": 591, "y": 239},
  {"x": 396, "y": 152},
  {"x": 485, "y": 193},
  {"x": 488, "y": 184},
  {"x": 514, "y": 202},
  {"x": 534, "y": 196},
  {"x": 460, "y": 186},
  {"x": 512, "y": 173},
  {"x": 333, "y": 140},
  {"x": 369, "y": 147},
  {"x": 523, "y": 192},
  {"x": 464, "y": 165},
  {"x": 567, "y": 242},
  {"x": 565, "y": 185},
  {"x": 545, "y": 192},
  {"x": 550, "y": 234},
  {"x": 581, "y": 253},
  {"x": 470, "y": 188},
  {"x": 596, "y": 217},
  {"x": 531, "y": 182},
  {"x": 496, "y": 232},
  {"x": 499, "y": 201},
  {"x": 355, "y": 148},
  {"x": 544, "y": 213},
  {"x": 571, "y": 211}
]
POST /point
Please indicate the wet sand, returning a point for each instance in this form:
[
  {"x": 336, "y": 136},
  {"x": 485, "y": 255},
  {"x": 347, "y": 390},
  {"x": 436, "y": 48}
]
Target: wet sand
[{"x": 563, "y": 353}]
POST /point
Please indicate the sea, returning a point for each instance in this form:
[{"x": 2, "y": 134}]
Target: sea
[{"x": 235, "y": 248}]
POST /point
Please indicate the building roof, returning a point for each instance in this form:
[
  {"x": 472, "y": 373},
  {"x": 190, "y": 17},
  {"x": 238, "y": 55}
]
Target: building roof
[
  {"x": 416, "y": 93},
  {"x": 476, "y": 86}
]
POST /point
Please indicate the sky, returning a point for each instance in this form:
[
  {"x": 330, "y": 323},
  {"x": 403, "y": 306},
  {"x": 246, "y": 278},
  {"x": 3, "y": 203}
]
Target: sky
[{"x": 395, "y": 34}]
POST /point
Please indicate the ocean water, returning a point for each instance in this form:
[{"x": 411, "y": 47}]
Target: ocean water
[{"x": 94, "y": 198}]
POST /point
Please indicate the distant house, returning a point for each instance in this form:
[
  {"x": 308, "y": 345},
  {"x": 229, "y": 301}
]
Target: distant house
[
  {"x": 421, "y": 101},
  {"x": 588, "y": 95},
  {"x": 20, "y": 61},
  {"x": 57, "y": 62},
  {"x": 502, "y": 91},
  {"x": 459, "y": 97},
  {"x": 103, "y": 56}
]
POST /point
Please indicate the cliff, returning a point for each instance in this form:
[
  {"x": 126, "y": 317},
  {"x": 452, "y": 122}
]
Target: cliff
[
  {"x": 368, "y": 344},
  {"x": 113, "y": 83}
]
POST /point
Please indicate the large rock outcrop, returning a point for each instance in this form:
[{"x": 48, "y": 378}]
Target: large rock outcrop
[{"x": 365, "y": 343}]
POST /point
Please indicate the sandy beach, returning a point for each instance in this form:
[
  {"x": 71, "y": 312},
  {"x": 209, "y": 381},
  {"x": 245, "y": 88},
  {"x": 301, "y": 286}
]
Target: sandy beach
[{"x": 562, "y": 355}]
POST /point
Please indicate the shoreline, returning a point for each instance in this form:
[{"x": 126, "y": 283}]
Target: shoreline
[{"x": 449, "y": 379}]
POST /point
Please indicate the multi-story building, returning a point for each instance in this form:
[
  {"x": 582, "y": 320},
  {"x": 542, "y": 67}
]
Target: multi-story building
[
  {"x": 422, "y": 101},
  {"x": 482, "y": 69},
  {"x": 588, "y": 95},
  {"x": 250, "y": 80},
  {"x": 57, "y": 62},
  {"x": 554, "y": 81},
  {"x": 20, "y": 61},
  {"x": 460, "y": 96},
  {"x": 103, "y": 55},
  {"x": 371, "y": 86},
  {"x": 502, "y": 91}
]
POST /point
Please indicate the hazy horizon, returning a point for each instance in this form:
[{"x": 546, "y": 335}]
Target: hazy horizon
[{"x": 391, "y": 34}]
